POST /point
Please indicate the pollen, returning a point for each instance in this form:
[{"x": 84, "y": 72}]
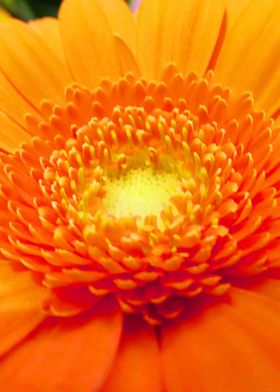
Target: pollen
[
  {"x": 140, "y": 192},
  {"x": 151, "y": 192}
]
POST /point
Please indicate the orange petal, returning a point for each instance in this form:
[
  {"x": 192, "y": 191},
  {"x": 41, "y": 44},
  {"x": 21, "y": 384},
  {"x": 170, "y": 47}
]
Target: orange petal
[
  {"x": 268, "y": 287},
  {"x": 137, "y": 362},
  {"x": 126, "y": 58},
  {"x": 121, "y": 20},
  {"x": 11, "y": 134},
  {"x": 13, "y": 104},
  {"x": 29, "y": 65},
  {"x": 250, "y": 57},
  {"x": 69, "y": 355},
  {"x": 88, "y": 42},
  {"x": 234, "y": 8},
  {"x": 48, "y": 29},
  {"x": 21, "y": 302},
  {"x": 230, "y": 346},
  {"x": 183, "y": 32}
]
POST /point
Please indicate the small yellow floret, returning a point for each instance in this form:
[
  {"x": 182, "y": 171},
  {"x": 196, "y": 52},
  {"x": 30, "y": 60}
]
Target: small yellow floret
[{"x": 140, "y": 192}]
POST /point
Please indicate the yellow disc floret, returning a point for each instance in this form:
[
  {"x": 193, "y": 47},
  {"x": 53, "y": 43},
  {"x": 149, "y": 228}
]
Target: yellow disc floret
[{"x": 140, "y": 192}]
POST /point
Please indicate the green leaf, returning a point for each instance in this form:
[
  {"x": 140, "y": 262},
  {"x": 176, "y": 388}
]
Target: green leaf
[
  {"x": 31, "y": 9},
  {"x": 45, "y": 7},
  {"x": 19, "y": 8}
]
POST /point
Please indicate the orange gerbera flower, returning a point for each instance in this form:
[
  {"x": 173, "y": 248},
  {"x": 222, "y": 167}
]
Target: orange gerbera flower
[{"x": 139, "y": 198}]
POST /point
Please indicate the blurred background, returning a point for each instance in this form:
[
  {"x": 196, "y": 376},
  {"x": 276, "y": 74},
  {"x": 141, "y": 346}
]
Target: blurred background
[{"x": 31, "y": 9}]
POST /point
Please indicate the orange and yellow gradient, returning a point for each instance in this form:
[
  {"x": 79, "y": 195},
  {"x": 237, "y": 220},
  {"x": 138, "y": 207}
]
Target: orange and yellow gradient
[{"x": 139, "y": 198}]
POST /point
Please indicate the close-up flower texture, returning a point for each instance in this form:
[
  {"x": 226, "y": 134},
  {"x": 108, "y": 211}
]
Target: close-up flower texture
[{"x": 140, "y": 198}]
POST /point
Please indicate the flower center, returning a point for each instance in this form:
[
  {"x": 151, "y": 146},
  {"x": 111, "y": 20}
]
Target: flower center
[
  {"x": 140, "y": 192},
  {"x": 150, "y": 192}
]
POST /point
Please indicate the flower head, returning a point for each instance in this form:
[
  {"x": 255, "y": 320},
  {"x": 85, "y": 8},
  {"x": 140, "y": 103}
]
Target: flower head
[{"x": 139, "y": 197}]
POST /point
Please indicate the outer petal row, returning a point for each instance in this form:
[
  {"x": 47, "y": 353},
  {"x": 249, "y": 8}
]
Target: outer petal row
[
  {"x": 72, "y": 356},
  {"x": 21, "y": 302},
  {"x": 33, "y": 66},
  {"x": 232, "y": 346},
  {"x": 89, "y": 44},
  {"x": 183, "y": 32},
  {"x": 137, "y": 364},
  {"x": 250, "y": 57}
]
